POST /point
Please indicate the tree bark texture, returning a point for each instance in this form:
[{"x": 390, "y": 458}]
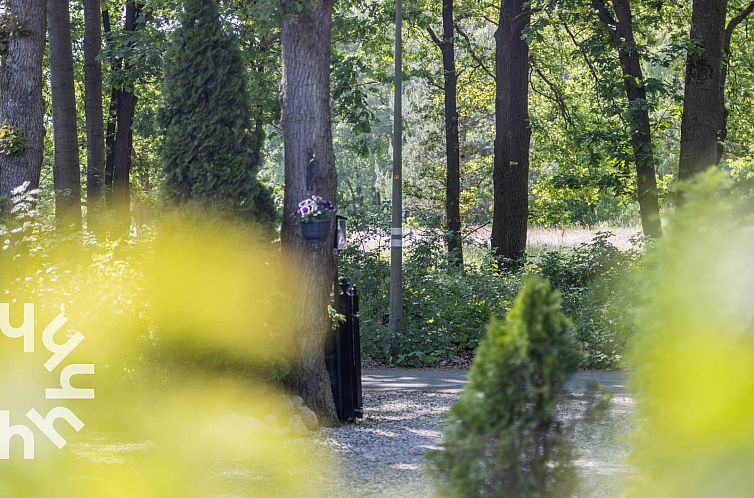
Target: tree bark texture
[
  {"x": 120, "y": 154},
  {"x": 21, "y": 103},
  {"x": 702, "y": 107},
  {"x": 722, "y": 132},
  {"x": 621, "y": 33},
  {"x": 66, "y": 167},
  {"x": 112, "y": 116},
  {"x": 512, "y": 134},
  {"x": 305, "y": 103},
  {"x": 122, "y": 146},
  {"x": 95, "y": 128},
  {"x": 446, "y": 45}
]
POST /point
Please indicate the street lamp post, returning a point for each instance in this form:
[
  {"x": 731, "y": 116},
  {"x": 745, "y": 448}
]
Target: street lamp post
[{"x": 396, "y": 227}]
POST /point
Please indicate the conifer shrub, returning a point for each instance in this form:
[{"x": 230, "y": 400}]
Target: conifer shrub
[
  {"x": 501, "y": 437},
  {"x": 209, "y": 151}
]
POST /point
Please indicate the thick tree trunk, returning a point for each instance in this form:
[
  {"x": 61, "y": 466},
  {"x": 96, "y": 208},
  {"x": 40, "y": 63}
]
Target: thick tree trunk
[
  {"x": 95, "y": 132},
  {"x": 452, "y": 146},
  {"x": 305, "y": 102},
  {"x": 621, "y": 33},
  {"x": 112, "y": 117},
  {"x": 66, "y": 169},
  {"x": 21, "y": 103},
  {"x": 517, "y": 201},
  {"x": 512, "y": 134},
  {"x": 702, "y": 108}
]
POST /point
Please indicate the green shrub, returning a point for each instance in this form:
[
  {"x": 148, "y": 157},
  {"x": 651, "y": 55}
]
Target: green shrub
[
  {"x": 742, "y": 177},
  {"x": 444, "y": 310},
  {"x": 502, "y": 433},
  {"x": 692, "y": 357}
]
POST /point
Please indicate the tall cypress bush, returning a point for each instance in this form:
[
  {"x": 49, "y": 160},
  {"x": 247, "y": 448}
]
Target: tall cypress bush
[
  {"x": 210, "y": 152},
  {"x": 502, "y": 437}
]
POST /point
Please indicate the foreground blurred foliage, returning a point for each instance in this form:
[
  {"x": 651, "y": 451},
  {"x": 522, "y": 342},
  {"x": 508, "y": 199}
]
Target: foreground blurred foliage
[
  {"x": 693, "y": 356},
  {"x": 186, "y": 326},
  {"x": 502, "y": 434}
]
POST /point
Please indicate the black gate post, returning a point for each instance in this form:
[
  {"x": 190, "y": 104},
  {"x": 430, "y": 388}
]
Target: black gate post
[
  {"x": 358, "y": 405},
  {"x": 343, "y": 354}
]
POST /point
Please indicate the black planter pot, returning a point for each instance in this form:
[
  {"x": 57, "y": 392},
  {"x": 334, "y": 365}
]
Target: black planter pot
[{"x": 316, "y": 230}]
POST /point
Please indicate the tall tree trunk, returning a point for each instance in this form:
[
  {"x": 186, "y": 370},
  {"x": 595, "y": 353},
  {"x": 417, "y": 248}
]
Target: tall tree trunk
[
  {"x": 21, "y": 103},
  {"x": 125, "y": 108},
  {"x": 122, "y": 158},
  {"x": 454, "y": 240},
  {"x": 112, "y": 116},
  {"x": 305, "y": 102},
  {"x": 512, "y": 134},
  {"x": 501, "y": 160},
  {"x": 95, "y": 128},
  {"x": 702, "y": 108},
  {"x": 66, "y": 168},
  {"x": 621, "y": 32},
  {"x": 722, "y": 132}
]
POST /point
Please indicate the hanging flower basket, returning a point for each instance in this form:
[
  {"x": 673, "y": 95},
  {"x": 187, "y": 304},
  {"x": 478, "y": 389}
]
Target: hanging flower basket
[
  {"x": 314, "y": 215},
  {"x": 316, "y": 230}
]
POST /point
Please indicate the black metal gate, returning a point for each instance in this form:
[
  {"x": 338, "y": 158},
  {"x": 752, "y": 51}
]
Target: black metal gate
[{"x": 343, "y": 354}]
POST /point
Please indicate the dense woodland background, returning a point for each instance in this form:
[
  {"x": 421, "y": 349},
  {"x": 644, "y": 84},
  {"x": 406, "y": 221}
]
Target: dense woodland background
[
  {"x": 517, "y": 114},
  {"x": 582, "y": 163}
]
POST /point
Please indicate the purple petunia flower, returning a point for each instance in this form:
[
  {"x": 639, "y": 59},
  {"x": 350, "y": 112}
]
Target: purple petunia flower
[{"x": 314, "y": 208}]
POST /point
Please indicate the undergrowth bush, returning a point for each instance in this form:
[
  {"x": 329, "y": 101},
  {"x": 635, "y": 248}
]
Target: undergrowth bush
[
  {"x": 596, "y": 282},
  {"x": 446, "y": 310},
  {"x": 692, "y": 356}
]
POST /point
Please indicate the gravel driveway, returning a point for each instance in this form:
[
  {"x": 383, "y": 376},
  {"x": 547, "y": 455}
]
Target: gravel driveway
[{"x": 383, "y": 454}]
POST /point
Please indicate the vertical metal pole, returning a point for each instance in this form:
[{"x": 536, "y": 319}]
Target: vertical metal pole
[{"x": 396, "y": 228}]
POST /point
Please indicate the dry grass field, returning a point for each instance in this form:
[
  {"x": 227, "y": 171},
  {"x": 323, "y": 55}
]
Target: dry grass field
[
  {"x": 556, "y": 238},
  {"x": 539, "y": 238}
]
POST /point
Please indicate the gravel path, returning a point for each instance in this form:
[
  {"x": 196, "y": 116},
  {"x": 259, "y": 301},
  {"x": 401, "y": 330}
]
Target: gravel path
[{"x": 383, "y": 454}]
